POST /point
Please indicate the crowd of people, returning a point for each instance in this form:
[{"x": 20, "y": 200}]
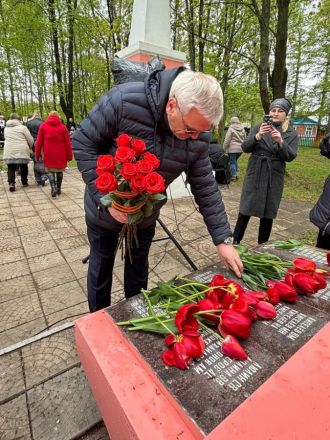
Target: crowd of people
[{"x": 177, "y": 111}]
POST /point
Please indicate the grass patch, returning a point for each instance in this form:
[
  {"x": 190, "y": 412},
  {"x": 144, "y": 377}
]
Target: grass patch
[{"x": 304, "y": 178}]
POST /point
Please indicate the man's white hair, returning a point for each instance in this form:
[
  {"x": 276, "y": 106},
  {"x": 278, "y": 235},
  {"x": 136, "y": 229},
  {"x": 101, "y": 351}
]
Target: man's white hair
[{"x": 200, "y": 91}]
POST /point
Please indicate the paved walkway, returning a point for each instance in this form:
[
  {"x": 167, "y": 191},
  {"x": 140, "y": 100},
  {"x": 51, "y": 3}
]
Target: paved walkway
[{"x": 43, "y": 391}]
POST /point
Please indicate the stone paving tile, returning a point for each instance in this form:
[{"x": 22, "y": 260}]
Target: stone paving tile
[
  {"x": 61, "y": 407},
  {"x": 19, "y": 311},
  {"x": 13, "y": 270},
  {"x": 79, "y": 269},
  {"x": 71, "y": 242},
  {"x": 16, "y": 288},
  {"x": 11, "y": 376},
  {"x": 5, "y": 216},
  {"x": 8, "y": 233},
  {"x": 64, "y": 232},
  {"x": 21, "y": 332},
  {"x": 39, "y": 248},
  {"x": 76, "y": 253},
  {"x": 83, "y": 284},
  {"x": 7, "y": 224},
  {"x": 45, "y": 261},
  {"x": 57, "y": 225},
  {"x": 14, "y": 420},
  {"x": 53, "y": 276},
  {"x": 62, "y": 296},
  {"x": 12, "y": 255},
  {"x": 99, "y": 432},
  {"x": 48, "y": 357},
  {"x": 68, "y": 314},
  {"x": 31, "y": 229},
  {"x": 51, "y": 217},
  {"x": 31, "y": 221}
]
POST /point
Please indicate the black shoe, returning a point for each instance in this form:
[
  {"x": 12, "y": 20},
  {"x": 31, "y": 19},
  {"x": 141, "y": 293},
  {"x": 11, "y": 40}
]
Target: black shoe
[
  {"x": 42, "y": 183},
  {"x": 54, "y": 193},
  {"x": 59, "y": 191},
  {"x": 12, "y": 187}
]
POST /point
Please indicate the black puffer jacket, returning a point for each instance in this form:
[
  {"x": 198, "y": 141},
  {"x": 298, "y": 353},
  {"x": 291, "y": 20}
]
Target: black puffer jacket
[
  {"x": 34, "y": 126},
  {"x": 138, "y": 109},
  {"x": 320, "y": 213}
]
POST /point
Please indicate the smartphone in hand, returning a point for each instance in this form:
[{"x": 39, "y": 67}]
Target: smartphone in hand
[{"x": 268, "y": 120}]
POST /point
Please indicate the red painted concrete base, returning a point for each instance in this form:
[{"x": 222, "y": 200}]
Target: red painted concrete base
[
  {"x": 293, "y": 404},
  {"x": 132, "y": 402}
]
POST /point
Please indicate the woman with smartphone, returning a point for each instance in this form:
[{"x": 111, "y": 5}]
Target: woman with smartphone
[{"x": 271, "y": 144}]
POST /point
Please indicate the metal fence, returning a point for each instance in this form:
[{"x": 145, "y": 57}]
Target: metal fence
[{"x": 307, "y": 141}]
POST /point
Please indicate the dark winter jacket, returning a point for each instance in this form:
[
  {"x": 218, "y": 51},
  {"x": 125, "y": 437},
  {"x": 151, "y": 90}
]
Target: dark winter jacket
[
  {"x": 215, "y": 152},
  {"x": 34, "y": 126},
  {"x": 138, "y": 109},
  {"x": 320, "y": 213},
  {"x": 53, "y": 138},
  {"x": 264, "y": 179}
]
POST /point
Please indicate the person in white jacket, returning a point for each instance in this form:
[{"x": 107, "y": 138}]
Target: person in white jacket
[
  {"x": 18, "y": 142},
  {"x": 232, "y": 144}
]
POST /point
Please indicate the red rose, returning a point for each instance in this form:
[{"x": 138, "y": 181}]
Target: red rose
[
  {"x": 123, "y": 140},
  {"x": 128, "y": 170},
  {"x": 144, "y": 166},
  {"x": 105, "y": 163},
  {"x": 154, "y": 183},
  {"x": 138, "y": 183},
  {"x": 138, "y": 146},
  {"x": 153, "y": 159},
  {"x": 106, "y": 183},
  {"x": 124, "y": 154}
]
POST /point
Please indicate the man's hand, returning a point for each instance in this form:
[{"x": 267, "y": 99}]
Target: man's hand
[
  {"x": 121, "y": 217},
  {"x": 228, "y": 254}
]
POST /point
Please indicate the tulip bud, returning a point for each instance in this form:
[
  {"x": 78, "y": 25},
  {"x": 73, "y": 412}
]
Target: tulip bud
[
  {"x": 305, "y": 283},
  {"x": 273, "y": 295},
  {"x": 265, "y": 310},
  {"x": 233, "y": 322},
  {"x": 286, "y": 292},
  {"x": 304, "y": 265},
  {"x": 232, "y": 348}
]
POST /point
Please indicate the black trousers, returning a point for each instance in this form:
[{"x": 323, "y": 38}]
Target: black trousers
[
  {"x": 12, "y": 172},
  {"x": 323, "y": 241},
  {"x": 103, "y": 243},
  {"x": 265, "y": 228}
]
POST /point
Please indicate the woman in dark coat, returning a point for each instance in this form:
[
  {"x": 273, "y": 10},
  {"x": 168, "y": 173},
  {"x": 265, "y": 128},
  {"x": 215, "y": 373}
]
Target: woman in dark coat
[{"x": 272, "y": 145}]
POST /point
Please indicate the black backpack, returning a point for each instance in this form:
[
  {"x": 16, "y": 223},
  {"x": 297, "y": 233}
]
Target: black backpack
[
  {"x": 325, "y": 146},
  {"x": 222, "y": 170}
]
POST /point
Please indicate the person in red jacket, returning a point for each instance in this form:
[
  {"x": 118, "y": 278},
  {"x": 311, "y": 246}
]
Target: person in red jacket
[{"x": 53, "y": 142}]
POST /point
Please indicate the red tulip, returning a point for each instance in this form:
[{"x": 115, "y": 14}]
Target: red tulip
[
  {"x": 265, "y": 310},
  {"x": 207, "y": 304},
  {"x": 232, "y": 348},
  {"x": 233, "y": 322},
  {"x": 184, "y": 319},
  {"x": 304, "y": 265},
  {"x": 305, "y": 283},
  {"x": 273, "y": 295},
  {"x": 328, "y": 258},
  {"x": 183, "y": 348},
  {"x": 319, "y": 278},
  {"x": 217, "y": 280},
  {"x": 242, "y": 306},
  {"x": 286, "y": 292}
]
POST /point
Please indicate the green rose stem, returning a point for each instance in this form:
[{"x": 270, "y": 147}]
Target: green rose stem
[{"x": 152, "y": 312}]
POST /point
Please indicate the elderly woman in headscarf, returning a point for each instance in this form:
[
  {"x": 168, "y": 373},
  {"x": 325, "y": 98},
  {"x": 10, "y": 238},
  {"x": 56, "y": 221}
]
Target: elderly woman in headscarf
[{"x": 271, "y": 144}]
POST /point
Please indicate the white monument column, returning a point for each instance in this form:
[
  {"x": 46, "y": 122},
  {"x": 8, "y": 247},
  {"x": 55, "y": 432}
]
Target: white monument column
[{"x": 151, "y": 34}]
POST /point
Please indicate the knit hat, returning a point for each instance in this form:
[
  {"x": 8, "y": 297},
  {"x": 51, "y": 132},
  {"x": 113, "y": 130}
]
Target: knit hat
[{"x": 282, "y": 103}]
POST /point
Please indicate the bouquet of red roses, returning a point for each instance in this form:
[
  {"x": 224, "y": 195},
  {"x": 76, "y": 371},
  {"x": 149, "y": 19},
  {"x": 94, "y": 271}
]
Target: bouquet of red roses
[{"x": 131, "y": 184}]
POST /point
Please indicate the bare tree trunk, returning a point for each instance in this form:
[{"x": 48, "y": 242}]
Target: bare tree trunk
[
  {"x": 191, "y": 34},
  {"x": 280, "y": 74}
]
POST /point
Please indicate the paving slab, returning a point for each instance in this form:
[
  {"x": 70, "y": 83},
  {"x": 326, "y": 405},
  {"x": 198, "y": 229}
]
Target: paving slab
[{"x": 14, "y": 420}]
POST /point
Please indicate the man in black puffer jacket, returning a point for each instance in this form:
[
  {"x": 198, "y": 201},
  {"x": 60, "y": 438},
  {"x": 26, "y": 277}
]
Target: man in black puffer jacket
[{"x": 173, "y": 112}]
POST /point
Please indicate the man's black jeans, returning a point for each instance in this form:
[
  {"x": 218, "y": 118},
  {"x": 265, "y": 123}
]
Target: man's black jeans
[{"x": 103, "y": 243}]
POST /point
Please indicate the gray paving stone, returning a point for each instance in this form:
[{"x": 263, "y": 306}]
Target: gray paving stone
[
  {"x": 8, "y": 233},
  {"x": 69, "y": 314},
  {"x": 61, "y": 407},
  {"x": 61, "y": 297},
  {"x": 22, "y": 332},
  {"x": 99, "y": 432},
  {"x": 12, "y": 255},
  {"x": 71, "y": 242},
  {"x": 48, "y": 357},
  {"x": 64, "y": 232},
  {"x": 16, "y": 288},
  {"x": 13, "y": 270},
  {"x": 76, "y": 253},
  {"x": 11, "y": 375},
  {"x": 18, "y": 311},
  {"x": 79, "y": 269},
  {"x": 7, "y": 224},
  {"x": 53, "y": 276},
  {"x": 31, "y": 221},
  {"x": 36, "y": 249},
  {"x": 45, "y": 261},
  {"x": 14, "y": 421}
]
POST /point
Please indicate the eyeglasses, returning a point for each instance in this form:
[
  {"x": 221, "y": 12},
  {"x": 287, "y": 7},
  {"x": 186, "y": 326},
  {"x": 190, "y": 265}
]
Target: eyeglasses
[{"x": 187, "y": 129}]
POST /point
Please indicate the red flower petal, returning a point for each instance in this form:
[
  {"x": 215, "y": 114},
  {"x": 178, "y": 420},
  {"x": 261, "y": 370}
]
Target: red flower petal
[
  {"x": 235, "y": 323},
  {"x": 184, "y": 318},
  {"x": 232, "y": 348},
  {"x": 265, "y": 310},
  {"x": 304, "y": 265}
]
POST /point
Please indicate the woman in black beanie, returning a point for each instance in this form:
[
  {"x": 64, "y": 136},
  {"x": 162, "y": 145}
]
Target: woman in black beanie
[{"x": 271, "y": 145}]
